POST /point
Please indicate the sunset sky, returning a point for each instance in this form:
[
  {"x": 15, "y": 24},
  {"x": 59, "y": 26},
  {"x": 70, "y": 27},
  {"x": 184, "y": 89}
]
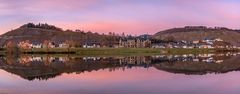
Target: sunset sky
[{"x": 129, "y": 16}]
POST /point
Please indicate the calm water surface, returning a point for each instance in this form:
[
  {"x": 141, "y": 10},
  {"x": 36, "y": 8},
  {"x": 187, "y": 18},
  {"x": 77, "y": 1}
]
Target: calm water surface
[{"x": 161, "y": 74}]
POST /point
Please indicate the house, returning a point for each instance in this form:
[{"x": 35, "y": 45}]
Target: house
[
  {"x": 187, "y": 47},
  {"x": 91, "y": 44},
  {"x": 36, "y": 44},
  {"x": 208, "y": 40},
  {"x": 212, "y": 43},
  {"x": 48, "y": 44},
  {"x": 145, "y": 43},
  {"x": 135, "y": 60},
  {"x": 222, "y": 44},
  {"x": 204, "y": 45},
  {"x": 218, "y": 39},
  {"x": 175, "y": 44},
  {"x": 134, "y": 42},
  {"x": 25, "y": 44},
  {"x": 195, "y": 41},
  {"x": 116, "y": 45},
  {"x": 63, "y": 45},
  {"x": 158, "y": 45}
]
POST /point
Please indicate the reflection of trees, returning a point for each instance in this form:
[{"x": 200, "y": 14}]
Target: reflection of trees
[
  {"x": 29, "y": 68},
  {"x": 201, "y": 68},
  {"x": 46, "y": 67}
]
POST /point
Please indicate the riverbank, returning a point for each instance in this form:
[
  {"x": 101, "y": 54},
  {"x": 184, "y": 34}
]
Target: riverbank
[
  {"x": 122, "y": 51},
  {"x": 96, "y": 51}
]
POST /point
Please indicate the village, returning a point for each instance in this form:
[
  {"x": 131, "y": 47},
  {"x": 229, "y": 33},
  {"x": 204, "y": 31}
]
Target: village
[{"x": 130, "y": 42}]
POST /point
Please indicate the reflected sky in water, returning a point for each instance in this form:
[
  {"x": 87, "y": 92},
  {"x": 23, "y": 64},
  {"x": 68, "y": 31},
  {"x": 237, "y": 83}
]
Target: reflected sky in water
[{"x": 159, "y": 77}]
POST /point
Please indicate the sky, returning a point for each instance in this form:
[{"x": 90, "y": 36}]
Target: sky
[{"x": 129, "y": 16}]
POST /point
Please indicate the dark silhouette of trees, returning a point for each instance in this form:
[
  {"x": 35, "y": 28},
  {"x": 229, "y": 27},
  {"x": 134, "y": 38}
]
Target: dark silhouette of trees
[{"x": 42, "y": 26}]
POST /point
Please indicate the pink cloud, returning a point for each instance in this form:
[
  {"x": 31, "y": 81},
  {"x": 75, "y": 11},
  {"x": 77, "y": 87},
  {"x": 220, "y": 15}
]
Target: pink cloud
[{"x": 131, "y": 17}]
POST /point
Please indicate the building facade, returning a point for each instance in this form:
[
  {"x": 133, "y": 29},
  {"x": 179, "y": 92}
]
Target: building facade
[{"x": 135, "y": 43}]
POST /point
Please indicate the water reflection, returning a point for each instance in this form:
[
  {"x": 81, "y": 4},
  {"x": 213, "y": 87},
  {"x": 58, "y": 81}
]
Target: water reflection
[{"x": 46, "y": 67}]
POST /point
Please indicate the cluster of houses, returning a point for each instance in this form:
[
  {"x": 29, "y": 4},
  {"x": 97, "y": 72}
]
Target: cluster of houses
[
  {"x": 131, "y": 42},
  {"x": 28, "y": 60},
  {"x": 205, "y": 43},
  {"x": 127, "y": 42},
  {"x": 27, "y": 44}
]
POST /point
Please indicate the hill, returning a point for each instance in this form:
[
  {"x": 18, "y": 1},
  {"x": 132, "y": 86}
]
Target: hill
[
  {"x": 41, "y": 32},
  {"x": 190, "y": 33}
]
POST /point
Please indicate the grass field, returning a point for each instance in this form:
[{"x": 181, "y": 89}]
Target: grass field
[
  {"x": 100, "y": 51},
  {"x": 121, "y": 51}
]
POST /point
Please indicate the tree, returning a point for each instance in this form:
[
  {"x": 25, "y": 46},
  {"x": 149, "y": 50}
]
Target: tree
[
  {"x": 71, "y": 43},
  {"x": 46, "y": 44},
  {"x": 123, "y": 34},
  {"x": 12, "y": 48}
]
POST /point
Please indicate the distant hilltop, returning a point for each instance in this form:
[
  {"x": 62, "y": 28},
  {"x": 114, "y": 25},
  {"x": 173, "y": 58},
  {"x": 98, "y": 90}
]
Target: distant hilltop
[
  {"x": 38, "y": 33},
  {"x": 190, "y": 33}
]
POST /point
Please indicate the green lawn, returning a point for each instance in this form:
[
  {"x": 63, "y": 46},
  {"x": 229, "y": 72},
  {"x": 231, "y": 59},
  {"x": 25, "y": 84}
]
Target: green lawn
[{"x": 125, "y": 51}]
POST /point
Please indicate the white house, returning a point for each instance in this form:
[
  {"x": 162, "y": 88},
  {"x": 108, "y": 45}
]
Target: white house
[
  {"x": 63, "y": 45},
  {"x": 36, "y": 45},
  {"x": 90, "y": 44},
  {"x": 218, "y": 39}
]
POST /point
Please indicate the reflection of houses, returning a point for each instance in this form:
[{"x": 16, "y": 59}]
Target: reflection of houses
[
  {"x": 91, "y": 58},
  {"x": 137, "y": 60},
  {"x": 25, "y": 60},
  {"x": 30, "y": 67},
  {"x": 125, "y": 61},
  {"x": 132, "y": 42},
  {"x": 201, "y": 58},
  {"x": 29, "y": 59}
]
